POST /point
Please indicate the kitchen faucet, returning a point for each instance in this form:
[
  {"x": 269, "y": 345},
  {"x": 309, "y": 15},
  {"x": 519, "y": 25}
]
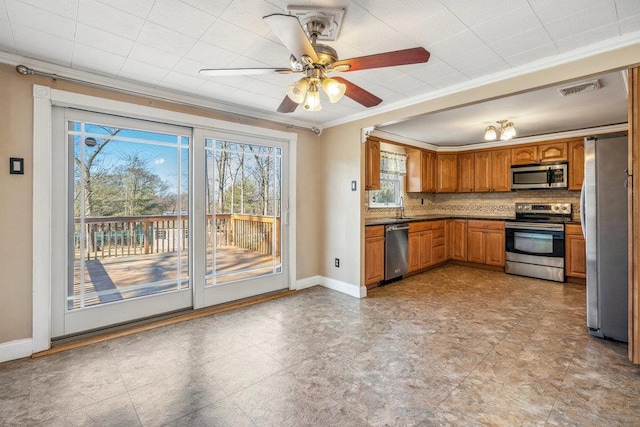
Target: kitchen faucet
[{"x": 401, "y": 207}]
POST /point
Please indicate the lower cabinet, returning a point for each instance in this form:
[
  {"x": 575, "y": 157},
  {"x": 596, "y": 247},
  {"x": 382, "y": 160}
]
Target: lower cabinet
[
  {"x": 575, "y": 252},
  {"x": 485, "y": 242},
  {"x": 458, "y": 239},
  {"x": 374, "y": 254},
  {"x": 426, "y": 244}
]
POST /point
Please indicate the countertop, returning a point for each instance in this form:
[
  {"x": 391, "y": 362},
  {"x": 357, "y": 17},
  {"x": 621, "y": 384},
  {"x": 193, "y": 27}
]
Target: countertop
[{"x": 385, "y": 221}]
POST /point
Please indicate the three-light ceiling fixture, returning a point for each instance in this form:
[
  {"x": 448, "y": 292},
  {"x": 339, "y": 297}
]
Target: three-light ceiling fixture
[
  {"x": 506, "y": 129},
  {"x": 306, "y": 90}
]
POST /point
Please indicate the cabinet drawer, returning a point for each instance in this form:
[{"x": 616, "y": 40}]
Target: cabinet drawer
[
  {"x": 374, "y": 231},
  {"x": 438, "y": 241},
  {"x": 573, "y": 229},
  {"x": 420, "y": 226},
  {"x": 485, "y": 225},
  {"x": 438, "y": 232},
  {"x": 438, "y": 254}
]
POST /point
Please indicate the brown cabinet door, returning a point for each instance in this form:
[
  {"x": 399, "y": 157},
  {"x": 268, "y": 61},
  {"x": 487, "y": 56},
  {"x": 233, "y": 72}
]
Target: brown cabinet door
[
  {"x": 414, "y": 252},
  {"x": 372, "y": 165},
  {"x": 374, "y": 260},
  {"x": 459, "y": 239},
  {"x": 552, "y": 152},
  {"x": 576, "y": 164},
  {"x": 465, "y": 173},
  {"x": 494, "y": 251},
  {"x": 475, "y": 245},
  {"x": 500, "y": 170},
  {"x": 428, "y": 172},
  {"x": 447, "y": 173},
  {"x": 426, "y": 244},
  {"x": 575, "y": 256},
  {"x": 524, "y": 155},
  {"x": 482, "y": 171}
]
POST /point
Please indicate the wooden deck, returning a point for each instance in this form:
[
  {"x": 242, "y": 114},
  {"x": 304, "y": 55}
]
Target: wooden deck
[{"x": 116, "y": 279}]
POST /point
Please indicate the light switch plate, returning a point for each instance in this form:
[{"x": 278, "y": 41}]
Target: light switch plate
[{"x": 16, "y": 166}]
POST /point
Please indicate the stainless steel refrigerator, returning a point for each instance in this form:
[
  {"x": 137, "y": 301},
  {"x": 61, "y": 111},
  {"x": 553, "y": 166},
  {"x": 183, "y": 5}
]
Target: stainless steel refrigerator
[{"x": 604, "y": 220}]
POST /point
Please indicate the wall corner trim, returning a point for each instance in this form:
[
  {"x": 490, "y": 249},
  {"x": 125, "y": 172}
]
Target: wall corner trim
[
  {"x": 16, "y": 349},
  {"x": 344, "y": 287},
  {"x": 308, "y": 282}
]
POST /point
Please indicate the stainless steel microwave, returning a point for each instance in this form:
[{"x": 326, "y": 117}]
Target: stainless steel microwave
[{"x": 539, "y": 177}]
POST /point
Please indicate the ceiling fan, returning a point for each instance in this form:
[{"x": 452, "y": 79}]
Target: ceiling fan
[{"x": 316, "y": 61}]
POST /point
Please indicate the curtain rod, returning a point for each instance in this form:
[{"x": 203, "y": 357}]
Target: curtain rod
[{"x": 26, "y": 71}]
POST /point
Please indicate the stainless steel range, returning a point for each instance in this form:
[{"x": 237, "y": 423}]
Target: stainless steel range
[{"x": 535, "y": 240}]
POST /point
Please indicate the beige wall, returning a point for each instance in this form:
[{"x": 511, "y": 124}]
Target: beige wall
[
  {"x": 343, "y": 155},
  {"x": 16, "y": 128}
]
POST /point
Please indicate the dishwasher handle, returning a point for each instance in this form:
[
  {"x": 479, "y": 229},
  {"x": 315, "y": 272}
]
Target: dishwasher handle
[{"x": 397, "y": 227}]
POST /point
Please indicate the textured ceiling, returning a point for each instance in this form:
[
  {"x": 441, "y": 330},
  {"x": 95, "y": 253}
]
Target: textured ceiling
[{"x": 164, "y": 43}]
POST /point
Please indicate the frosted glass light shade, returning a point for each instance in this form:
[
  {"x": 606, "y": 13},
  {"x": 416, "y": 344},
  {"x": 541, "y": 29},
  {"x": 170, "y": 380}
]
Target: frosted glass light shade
[
  {"x": 334, "y": 89},
  {"x": 312, "y": 99},
  {"x": 490, "y": 133},
  {"x": 509, "y": 131},
  {"x": 297, "y": 91}
]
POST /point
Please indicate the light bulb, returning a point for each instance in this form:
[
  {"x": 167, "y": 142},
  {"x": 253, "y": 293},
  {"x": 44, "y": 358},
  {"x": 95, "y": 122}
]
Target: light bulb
[
  {"x": 490, "y": 133},
  {"x": 297, "y": 91},
  {"x": 509, "y": 131},
  {"x": 334, "y": 89},
  {"x": 312, "y": 99}
]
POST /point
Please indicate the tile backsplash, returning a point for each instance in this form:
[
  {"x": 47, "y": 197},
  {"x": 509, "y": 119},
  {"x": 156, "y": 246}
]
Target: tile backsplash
[{"x": 490, "y": 205}]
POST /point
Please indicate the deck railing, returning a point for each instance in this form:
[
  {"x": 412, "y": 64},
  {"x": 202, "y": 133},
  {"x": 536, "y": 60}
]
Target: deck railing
[{"x": 107, "y": 237}]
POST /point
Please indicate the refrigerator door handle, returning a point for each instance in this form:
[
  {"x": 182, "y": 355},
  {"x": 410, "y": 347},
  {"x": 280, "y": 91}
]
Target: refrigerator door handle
[{"x": 582, "y": 211}]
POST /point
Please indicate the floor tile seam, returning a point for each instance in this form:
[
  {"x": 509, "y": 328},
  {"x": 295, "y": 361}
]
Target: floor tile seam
[{"x": 126, "y": 388}]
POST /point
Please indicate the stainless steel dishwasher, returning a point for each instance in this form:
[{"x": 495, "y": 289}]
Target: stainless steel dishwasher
[{"x": 396, "y": 250}]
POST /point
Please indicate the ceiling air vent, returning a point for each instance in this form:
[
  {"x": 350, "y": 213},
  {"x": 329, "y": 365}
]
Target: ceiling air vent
[{"x": 580, "y": 87}]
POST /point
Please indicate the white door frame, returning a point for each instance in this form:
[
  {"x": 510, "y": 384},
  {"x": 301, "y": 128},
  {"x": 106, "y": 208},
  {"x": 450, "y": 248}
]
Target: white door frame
[{"x": 44, "y": 98}]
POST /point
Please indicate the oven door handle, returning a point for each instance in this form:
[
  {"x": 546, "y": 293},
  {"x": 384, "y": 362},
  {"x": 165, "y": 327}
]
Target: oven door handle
[
  {"x": 534, "y": 226},
  {"x": 549, "y": 177}
]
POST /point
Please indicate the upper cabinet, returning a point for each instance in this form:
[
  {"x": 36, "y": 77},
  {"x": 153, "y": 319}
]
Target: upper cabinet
[
  {"x": 421, "y": 171},
  {"x": 446, "y": 173},
  {"x": 540, "y": 153},
  {"x": 576, "y": 164},
  {"x": 372, "y": 165},
  {"x": 492, "y": 170},
  {"x": 465, "y": 173}
]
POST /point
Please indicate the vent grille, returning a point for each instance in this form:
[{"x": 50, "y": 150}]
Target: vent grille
[{"x": 580, "y": 87}]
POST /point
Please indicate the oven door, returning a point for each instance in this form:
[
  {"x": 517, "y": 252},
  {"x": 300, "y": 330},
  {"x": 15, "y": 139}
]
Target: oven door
[{"x": 546, "y": 240}]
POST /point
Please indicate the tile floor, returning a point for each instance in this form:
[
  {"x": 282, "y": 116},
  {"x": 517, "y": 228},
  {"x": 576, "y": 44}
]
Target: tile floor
[{"x": 453, "y": 346}]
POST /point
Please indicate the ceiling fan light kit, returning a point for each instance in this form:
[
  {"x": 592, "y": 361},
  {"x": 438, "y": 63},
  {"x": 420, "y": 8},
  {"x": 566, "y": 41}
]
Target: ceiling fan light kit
[
  {"x": 317, "y": 60},
  {"x": 506, "y": 129}
]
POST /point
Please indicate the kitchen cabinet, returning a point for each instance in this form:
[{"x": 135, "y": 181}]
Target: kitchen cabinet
[
  {"x": 372, "y": 165},
  {"x": 482, "y": 171},
  {"x": 575, "y": 252},
  {"x": 439, "y": 236},
  {"x": 374, "y": 254},
  {"x": 421, "y": 171},
  {"x": 465, "y": 173},
  {"x": 485, "y": 242},
  {"x": 446, "y": 173},
  {"x": 500, "y": 170},
  {"x": 420, "y": 245},
  {"x": 576, "y": 164},
  {"x": 414, "y": 252},
  {"x": 540, "y": 153},
  {"x": 458, "y": 239}
]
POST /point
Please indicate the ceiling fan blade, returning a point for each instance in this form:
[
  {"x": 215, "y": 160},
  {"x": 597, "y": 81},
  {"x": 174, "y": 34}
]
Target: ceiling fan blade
[
  {"x": 358, "y": 94},
  {"x": 288, "y": 29},
  {"x": 287, "y": 105},
  {"x": 243, "y": 71},
  {"x": 388, "y": 59}
]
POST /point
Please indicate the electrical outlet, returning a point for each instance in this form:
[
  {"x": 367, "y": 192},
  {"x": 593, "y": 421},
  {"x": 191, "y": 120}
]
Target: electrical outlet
[{"x": 337, "y": 262}]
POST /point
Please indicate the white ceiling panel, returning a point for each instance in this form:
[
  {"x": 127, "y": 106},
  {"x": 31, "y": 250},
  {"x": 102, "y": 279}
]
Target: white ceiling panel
[
  {"x": 90, "y": 58},
  {"x": 474, "y": 13},
  {"x": 181, "y": 17},
  {"x": 165, "y": 39},
  {"x": 65, "y": 8},
  {"x": 139, "y": 8},
  {"x": 103, "y": 40},
  {"x": 582, "y": 21},
  {"x": 164, "y": 44},
  {"x": 107, "y": 18},
  {"x": 136, "y": 70},
  {"x": 47, "y": 47},
  {"x": 588, "y": 37},
  {"x": 153, "y": 56},
  {"x": 39, "y": 19},
  {"x": 232, "y": 37}
]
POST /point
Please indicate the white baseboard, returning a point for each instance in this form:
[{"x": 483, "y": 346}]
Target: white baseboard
[
  {"x": 344, "y": 287},
  {"x": 16, "y": 349},
  {"x": 308, "y": 282},
  {"x": 336, "y": 285}
]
